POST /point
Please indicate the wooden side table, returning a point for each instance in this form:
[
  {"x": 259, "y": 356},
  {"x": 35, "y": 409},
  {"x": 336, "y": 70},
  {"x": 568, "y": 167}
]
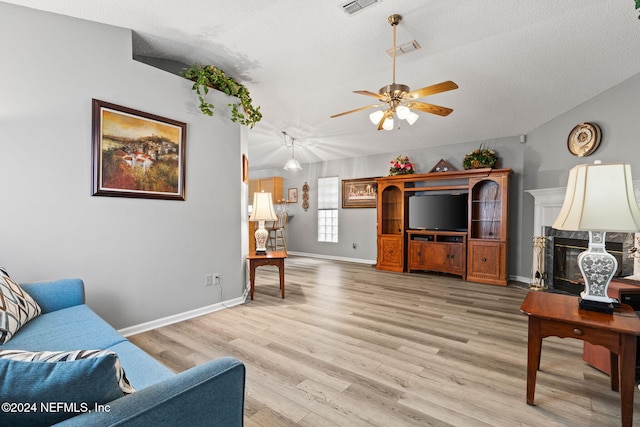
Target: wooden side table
[
  {"x": 598, "y": 356},
  {"x": 559, "y": 315},
  {"x": 270, "y": 258}
]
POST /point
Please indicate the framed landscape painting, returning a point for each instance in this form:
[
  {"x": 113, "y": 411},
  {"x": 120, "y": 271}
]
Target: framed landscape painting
[
  {"x": 137, "y": 154},
  {"x": 359, "y": 193}
]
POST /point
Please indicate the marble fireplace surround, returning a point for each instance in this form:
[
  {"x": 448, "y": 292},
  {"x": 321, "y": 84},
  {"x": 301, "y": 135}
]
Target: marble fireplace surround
[{"x": 547, "y": 204}]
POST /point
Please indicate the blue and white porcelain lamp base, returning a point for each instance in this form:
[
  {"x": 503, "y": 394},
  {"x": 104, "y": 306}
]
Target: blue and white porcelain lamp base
[{"x": 598, "y": 267}]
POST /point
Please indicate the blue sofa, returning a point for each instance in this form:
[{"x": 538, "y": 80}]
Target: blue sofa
[{"x": 211, "y": 394}]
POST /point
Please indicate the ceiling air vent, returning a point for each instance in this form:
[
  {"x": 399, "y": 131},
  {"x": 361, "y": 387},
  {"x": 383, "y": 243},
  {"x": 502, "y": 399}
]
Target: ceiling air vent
[
  {"x": 355, "y": 6},
  {"x": 405, "y": 48}
]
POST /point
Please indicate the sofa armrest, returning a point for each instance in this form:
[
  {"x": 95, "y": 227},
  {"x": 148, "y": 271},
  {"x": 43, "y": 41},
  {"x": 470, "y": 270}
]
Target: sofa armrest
[
  {"x": 211, "y": 394},
  {"x": 56, "y": 294}
]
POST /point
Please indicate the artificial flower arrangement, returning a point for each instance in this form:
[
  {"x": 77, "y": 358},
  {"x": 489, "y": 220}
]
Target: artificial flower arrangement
[
  {"x": 481, "y": 157},
  {"x": 401, "y": 166}
]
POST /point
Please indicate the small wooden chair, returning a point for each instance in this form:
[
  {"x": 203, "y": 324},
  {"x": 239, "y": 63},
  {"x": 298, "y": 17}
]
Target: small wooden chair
[{"x": 276, "y": 232}]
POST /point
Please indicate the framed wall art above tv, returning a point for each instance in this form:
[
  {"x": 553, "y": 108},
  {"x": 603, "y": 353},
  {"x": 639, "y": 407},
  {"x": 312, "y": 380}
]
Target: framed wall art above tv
[{"x": 137, "y": 154}]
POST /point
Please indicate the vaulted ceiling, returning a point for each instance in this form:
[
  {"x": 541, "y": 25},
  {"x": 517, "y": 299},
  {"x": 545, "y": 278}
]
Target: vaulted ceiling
[{"x": 517, "y": 63}]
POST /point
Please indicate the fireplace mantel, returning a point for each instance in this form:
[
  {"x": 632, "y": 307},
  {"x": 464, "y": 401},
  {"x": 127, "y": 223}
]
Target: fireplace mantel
[{"x": 548, "y": 202}]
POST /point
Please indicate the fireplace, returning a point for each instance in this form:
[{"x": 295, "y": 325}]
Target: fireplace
[{"x": 562, "y": 249}]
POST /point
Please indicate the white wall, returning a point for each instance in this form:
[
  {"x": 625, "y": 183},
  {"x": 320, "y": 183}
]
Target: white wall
[{"x": 140, "y": 259}]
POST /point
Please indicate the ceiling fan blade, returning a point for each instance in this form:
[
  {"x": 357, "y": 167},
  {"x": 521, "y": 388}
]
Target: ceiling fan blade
[
  {"x": 431, "y": 90},
  {"x": 429, "y": 108},
  {"x": 379, "y": 96},
  {"x": 356, "y": 110}
]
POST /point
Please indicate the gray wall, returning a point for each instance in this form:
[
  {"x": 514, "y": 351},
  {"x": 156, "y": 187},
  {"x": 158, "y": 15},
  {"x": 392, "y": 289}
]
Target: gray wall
[
  {"x": 547, "y": 160},
  {"x": 141, "y": 260},
  {"x": 616, "y": 111}
]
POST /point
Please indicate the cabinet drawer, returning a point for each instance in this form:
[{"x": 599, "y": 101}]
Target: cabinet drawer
[{"x": 594, "y": 336}]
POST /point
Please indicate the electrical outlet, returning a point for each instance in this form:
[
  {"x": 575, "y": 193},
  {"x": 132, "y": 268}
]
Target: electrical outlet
[
  {"x": 208, "y": 280},
  {"x": 216, "y": 278}
]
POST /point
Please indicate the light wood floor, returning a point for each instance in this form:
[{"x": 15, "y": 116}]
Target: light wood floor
[{"x": 353, "y": 346}]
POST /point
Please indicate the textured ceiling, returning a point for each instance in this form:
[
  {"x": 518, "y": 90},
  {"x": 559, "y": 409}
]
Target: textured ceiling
[{"x": 518, "y": 63}]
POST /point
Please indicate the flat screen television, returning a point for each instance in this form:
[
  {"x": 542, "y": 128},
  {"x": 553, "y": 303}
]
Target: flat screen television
[{"x": 446, "y": 212}]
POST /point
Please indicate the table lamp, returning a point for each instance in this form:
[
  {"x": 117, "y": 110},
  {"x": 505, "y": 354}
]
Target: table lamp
[
  {"x": 599, "y": 199},
  {"x": 262, "y": 211}
]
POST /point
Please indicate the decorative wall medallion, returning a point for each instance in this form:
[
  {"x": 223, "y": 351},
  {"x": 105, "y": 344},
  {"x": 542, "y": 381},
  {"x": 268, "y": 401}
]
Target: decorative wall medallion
[
  {"x": 584, "y": 139},
  {"x": 305, "y": 196}
]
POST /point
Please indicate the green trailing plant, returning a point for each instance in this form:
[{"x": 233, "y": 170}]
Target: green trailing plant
[{"x": 208, "y": 76}]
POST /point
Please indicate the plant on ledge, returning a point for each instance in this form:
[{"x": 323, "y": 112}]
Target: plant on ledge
[
  {"x": 480, "y": 158},
  {"x": 401, "y": 166},
  {"x": 208, "y": 76}
]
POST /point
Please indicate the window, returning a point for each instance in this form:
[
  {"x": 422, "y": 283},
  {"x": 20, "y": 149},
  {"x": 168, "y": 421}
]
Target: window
[{"x": 328, "y": 209}]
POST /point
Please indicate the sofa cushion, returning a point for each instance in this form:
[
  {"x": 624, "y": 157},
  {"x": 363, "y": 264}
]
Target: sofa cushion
[
  {"x": 48, "y": 387},
  {"x": 16, "y": 307},
  {"x": 73, "y": 328}
]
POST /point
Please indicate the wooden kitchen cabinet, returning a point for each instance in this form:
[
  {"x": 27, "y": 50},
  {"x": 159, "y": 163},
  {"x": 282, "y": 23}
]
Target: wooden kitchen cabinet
[{"x": 273, "y": 185}]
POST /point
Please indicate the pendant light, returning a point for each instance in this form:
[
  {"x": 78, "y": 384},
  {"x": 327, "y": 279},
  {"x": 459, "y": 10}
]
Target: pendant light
[{"x": 292, "y": 164}]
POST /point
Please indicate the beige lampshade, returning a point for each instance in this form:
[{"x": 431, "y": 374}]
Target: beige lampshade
[
  {"x": 262, "y": 208},
  {"x": 599, "y": 197}
]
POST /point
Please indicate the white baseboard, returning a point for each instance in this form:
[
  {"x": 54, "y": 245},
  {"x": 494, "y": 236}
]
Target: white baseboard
[
  {"x": 147, "y": 326},
  {"x": 335, "y": 258}
]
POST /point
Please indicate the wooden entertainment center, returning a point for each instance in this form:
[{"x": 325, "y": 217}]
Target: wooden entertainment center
[{"x": 478, "y": 254}]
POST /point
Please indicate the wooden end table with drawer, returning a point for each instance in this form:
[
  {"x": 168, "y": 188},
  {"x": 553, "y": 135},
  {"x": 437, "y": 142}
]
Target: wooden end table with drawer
[
  {"x": 270, "y": 258},
  {"x": 559, "y": 315}
]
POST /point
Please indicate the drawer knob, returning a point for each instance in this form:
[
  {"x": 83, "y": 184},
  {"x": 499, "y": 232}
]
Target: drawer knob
[
  {"x": 578, "y": 332},
  {"x": 484, "y": 260}
]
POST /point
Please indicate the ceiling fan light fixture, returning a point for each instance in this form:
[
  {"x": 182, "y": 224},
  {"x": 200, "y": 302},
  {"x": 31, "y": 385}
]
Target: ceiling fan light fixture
[
  {"x": 376, "y": 116},
  {"x": 388, "y": 124},
  {"x": 411, "y": 117},
  {"x": 403, "y": 112}
]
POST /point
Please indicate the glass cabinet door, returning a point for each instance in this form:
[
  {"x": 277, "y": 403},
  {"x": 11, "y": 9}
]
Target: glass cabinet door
[
  {"x": 392, "y": 210},
  {"x": 486, "y": 210}
]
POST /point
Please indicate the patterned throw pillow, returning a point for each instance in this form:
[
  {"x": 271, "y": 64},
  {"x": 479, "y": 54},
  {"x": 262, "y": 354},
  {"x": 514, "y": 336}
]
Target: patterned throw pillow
[
  {"x": 16, "y": 307},
  {"x": 70, "y": 356},
  {"x": 74, "y": 381}
]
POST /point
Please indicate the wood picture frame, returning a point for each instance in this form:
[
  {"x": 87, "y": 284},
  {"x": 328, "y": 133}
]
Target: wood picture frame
[
  {"x": 137, "y": 154},
  {"x": 359, "y": 193},
  {"x": 292, "y": 195}
]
